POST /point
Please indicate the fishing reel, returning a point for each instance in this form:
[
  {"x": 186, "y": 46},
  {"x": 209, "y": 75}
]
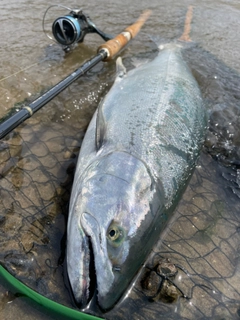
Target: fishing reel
[{"x": 71, "y": 28}]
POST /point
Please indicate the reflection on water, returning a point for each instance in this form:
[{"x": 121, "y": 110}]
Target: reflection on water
[{"x": 37, "y": 160}]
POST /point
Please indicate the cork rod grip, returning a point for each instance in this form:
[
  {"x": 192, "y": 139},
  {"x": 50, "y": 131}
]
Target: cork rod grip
[{"x": 113, "y": 46}]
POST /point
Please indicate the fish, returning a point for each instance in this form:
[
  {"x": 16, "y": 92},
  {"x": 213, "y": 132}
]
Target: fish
[{"x": 138, "y": 153}]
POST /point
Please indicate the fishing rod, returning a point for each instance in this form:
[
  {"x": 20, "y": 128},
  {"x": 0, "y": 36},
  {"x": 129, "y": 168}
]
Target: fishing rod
[{"x": 68, "y": 30}]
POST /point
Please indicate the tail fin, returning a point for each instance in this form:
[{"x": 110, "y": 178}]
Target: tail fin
[
  {"x": 182, "y": 42},
  {"x": 187, "y": 26}
]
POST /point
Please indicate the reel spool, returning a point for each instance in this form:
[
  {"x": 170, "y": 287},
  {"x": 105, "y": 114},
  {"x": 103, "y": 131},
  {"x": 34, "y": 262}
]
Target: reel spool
[{"x": 70, "y": 29}]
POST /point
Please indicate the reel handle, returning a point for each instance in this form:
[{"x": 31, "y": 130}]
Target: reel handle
[{"x": 114, "y": 46}]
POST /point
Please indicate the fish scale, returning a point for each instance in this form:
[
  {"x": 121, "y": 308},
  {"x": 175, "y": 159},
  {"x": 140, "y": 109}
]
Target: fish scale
[{"x": 164, "y": 113}]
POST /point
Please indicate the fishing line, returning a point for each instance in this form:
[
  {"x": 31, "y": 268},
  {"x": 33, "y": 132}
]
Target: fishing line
[
  {"x": 46, "y": 33},
  {"x": 44, "y": 16},
  {"x": 21, "y": 70}
]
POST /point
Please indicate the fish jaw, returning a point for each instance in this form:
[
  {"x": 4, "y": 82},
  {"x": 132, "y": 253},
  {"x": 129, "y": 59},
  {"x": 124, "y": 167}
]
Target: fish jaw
[
  {"x": 103, "y": 267},
  {"x": 78, "y": 263}
]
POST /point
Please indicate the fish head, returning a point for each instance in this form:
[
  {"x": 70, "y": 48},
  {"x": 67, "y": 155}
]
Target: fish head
[{"x": 114, "y": 216}]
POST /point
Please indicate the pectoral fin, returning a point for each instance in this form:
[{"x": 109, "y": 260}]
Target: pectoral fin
[{"x": 100, "y": 126}]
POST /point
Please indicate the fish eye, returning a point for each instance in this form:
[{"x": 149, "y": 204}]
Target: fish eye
[{"x": 115, "y": 235}]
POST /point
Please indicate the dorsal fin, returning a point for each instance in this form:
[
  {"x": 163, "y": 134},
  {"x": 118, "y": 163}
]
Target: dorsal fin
[
  {"x": 120, "y": 69},
  {"x": 100, "y": 126}
]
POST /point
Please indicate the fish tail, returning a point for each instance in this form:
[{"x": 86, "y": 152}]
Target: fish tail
[
  {"x": 182, "y": 42},
  {"x": 187, "y": 26}
]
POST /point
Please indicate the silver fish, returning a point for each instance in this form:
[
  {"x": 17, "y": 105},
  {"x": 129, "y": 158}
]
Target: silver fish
[{"x": 137, "y": 155}]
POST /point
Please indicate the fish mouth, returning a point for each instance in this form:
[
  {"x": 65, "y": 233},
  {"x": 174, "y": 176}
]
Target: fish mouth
[
  {"x": 80, "y": 264},
  {"x": 96, "y": 291},
  {"x": 92, "y": 283},
  {"x": 101, "y": 275},
  {"x": 90, "y": 270}
]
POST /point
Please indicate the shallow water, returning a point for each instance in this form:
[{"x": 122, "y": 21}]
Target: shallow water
[{"x": 37, "y": 160}]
